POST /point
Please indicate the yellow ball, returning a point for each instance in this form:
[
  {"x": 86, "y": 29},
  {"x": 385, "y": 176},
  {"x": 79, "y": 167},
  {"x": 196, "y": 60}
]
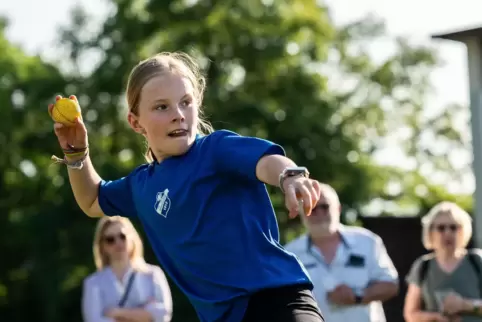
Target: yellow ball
[{"x": 65, "y": 111}]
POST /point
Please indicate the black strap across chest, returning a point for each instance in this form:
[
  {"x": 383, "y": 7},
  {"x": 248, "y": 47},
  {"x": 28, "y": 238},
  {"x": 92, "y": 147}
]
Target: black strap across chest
[{"x": 127, "y": 290}]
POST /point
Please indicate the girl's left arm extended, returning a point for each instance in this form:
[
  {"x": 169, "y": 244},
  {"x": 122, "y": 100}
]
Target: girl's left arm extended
[{"x": 257, "y": 159}]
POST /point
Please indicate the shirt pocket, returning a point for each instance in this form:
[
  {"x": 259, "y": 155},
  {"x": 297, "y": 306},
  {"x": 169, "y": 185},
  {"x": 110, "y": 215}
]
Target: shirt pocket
[{"x": 355, "y": 277}]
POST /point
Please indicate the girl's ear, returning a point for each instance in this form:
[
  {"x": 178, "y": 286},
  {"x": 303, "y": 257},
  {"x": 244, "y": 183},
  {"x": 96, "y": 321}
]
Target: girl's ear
[{"x": 134, "y": 123}]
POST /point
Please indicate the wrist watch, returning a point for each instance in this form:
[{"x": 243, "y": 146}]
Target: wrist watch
[{"x": 292, "y": 172}]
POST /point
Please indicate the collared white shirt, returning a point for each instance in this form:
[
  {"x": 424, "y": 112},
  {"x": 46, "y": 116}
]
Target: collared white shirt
[{"x": 361, "y": 258}]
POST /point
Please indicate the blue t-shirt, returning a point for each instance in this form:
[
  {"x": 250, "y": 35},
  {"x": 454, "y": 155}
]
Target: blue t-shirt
[{"x": 210, "y": 222}]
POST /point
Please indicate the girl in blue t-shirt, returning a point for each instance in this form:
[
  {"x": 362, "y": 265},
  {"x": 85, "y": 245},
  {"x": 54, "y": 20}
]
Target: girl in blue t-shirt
[{"x": 202, "y": 199}]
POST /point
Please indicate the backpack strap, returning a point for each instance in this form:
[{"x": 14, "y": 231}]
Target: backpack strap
[
  {"x": 474, "y": 260},
  {"x": 422, "y": 272}
]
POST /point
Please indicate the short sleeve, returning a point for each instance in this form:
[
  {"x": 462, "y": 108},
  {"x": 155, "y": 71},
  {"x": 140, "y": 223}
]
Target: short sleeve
[
  {"x": 413, "y": 276},
  {"x": 382, "y": 269},
  {"x": 239, "y": 155},
  {"x": 116, "y": 197}
]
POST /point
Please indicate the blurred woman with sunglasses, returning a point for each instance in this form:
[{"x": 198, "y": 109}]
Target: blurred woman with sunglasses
[
  {"x": 125, "y": 288},
  {"x": 445, "y": 285}
]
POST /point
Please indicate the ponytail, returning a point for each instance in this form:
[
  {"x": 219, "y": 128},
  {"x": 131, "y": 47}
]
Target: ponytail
[{"x": 149, "y": 155}]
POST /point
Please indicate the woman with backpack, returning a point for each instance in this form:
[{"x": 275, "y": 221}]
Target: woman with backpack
[{"x": 445, "y": 285}]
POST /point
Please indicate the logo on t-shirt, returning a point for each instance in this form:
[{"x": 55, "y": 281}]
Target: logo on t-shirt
[{"x": 163, "y": 203}]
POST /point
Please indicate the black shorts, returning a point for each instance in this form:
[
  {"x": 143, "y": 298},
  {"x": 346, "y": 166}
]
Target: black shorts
[{"x": 284, "y": 304}]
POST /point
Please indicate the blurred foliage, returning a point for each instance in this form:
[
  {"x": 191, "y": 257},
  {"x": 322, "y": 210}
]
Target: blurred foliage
[{"x": 276, "y": 69}]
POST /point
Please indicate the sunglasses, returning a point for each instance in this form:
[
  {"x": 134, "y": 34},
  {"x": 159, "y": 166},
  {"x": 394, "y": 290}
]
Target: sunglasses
[
  {"x": 443, "y": 227},
  {"x": 322, "y": 206},
  {"x": 110, "y": 240}
]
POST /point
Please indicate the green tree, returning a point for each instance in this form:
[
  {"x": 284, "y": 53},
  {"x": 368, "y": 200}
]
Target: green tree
[
  {"x": 270, "y": 66},
  {"x": 39, "y": 236},
  {"x": 384, "y": 104}
]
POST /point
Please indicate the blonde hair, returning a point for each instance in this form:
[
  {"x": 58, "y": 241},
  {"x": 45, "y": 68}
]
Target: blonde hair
[
  {"x": 459, "y": 215},
  {"x": 136, "y": 255},
  {"x": 160, "y": 64}
]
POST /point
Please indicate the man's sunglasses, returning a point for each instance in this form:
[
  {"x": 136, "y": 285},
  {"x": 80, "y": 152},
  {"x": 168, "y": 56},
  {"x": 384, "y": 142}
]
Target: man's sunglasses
[{"x": 322, "y": 206}]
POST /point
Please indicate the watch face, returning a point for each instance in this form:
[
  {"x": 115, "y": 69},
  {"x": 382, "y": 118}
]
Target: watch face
[{"x": 296, "y": 171}]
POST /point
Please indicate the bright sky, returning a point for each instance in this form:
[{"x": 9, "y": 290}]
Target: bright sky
[{"x": 34, "y": 23}]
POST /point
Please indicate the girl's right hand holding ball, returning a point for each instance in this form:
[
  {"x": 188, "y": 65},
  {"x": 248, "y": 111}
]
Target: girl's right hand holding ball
[{"x": 73, "y": 136}]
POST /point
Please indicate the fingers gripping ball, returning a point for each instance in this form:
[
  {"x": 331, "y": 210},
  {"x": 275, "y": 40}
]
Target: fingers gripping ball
[{"x": 65, "y": 111}]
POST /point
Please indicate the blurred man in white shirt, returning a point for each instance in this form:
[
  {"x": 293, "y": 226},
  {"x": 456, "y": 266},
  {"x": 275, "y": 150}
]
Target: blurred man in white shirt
[{"x": 349, "y": 266}]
